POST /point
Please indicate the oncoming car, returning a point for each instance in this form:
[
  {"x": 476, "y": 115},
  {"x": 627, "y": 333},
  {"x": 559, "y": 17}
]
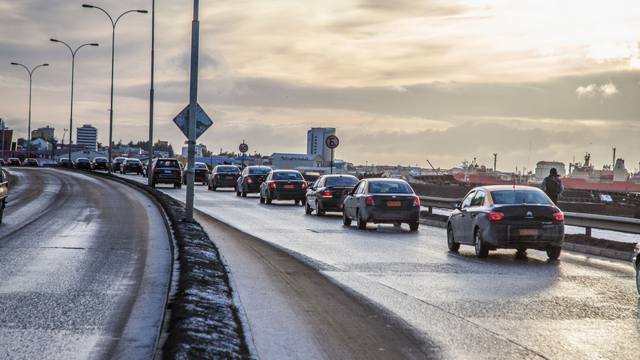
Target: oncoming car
[
  {"x": 508, "y": 217},
  {"x": 382, "y": 200}
]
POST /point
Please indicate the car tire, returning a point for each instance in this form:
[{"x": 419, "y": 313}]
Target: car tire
[
  {"x": 362, "y": 224},
  {"x": 638, "y": 279},
  {"x": 268, "y": 201},
  {"x": 261, "y": 199},
  {"x": 237, "y": 191},
  {"x": 553, "y": 252},
  {"x": 1, "y": 210},
  {"x": 480, "y": 246},
  {"x": 307, "y": 209},
  {"x": 451, "y": 243},
  {"x": 244, "y": 193},
  {"x": 345, "y": 219},
  {"x": 318, "y": 211},
  {"x": 213, "y": 188},
  {"x": 414, "y": 225},
  {"x": 153, "y": 184}
]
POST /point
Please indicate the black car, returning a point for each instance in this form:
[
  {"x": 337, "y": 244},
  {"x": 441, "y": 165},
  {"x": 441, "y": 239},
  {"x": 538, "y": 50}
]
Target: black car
[
  {"x": 283, "y": 185},
  {"x": 250, "y": 179},
  {"x": 166, "y": 171},
  {"x": 30, "y": 162},
  {"x": 327, "y": 193},
  {"x": 4, "y": 192},
  {"x": 636, "y": 265},
  {"x": 382, "y": 200},
  {"x": 100, "y": 163},
  {"x": 14, "y": 162},
  {"x": 223, "y": 176},
  {"x": 115, "y": 164},
  {"x": 131, "y": 165},
  {"x": 508, "y": 217},
  {"x": 200, "y": 174},
  {"x": 2, "y": 163},
  {"x": 83, "y": 163},
  {"x": 63, "y": 162}
]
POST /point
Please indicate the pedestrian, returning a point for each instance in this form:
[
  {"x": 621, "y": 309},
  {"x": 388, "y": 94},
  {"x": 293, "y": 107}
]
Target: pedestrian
[{"x": 552, "y": 185}]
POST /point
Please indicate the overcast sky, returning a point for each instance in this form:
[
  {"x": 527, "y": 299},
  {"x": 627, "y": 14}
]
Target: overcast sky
[{"x": 402, "y": 81}]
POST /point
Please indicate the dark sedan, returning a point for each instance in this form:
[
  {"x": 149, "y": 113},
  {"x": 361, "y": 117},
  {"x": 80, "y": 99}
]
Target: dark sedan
[
  {"x": 283, "y": 185},
  {"x": 223, "y": 176},
  {"x": 63, "y": 162},
  {"x": 83, "y": 163},
  {"x": 328, "y": 193},
  {"x": 636, "y": 265},
  {"x": 250, "y": 179},
  {"x": 115, "y": 164},
  {"x": 100, "y": 163},
  {"x": 200, "y": 174},
  {"x": 381, "y": 200},
  {"x": 14, "y": 162},
  {"x": 2, "y": 163},
  {"x": 508, "y": 217},
  {"x": 30, "y": 162},
  {"x": 131, "y": 165},
  {"x": 166, "y": 171}
]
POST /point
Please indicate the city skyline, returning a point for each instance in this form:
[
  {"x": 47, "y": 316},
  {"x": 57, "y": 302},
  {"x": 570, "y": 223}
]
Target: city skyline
[{"x": 401, "y": 82}]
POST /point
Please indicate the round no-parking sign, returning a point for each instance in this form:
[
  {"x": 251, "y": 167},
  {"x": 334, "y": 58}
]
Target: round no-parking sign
[{"x": 332, "y": 141}]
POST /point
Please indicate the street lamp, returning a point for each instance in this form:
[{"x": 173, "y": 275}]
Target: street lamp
[
  {"x": 113, "y": 38},
  {"x": 29, "y": 134},
  {"x": 73, "y": 62}
]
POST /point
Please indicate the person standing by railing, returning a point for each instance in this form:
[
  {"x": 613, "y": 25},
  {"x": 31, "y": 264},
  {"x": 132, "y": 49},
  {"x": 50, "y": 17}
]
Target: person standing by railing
[{"x": 552, "y": 185}]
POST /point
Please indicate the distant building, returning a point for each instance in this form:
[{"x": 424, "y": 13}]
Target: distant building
[
  {"x": 620, "y": 172},
  {"x": 543, "y": 167},
  {"x": 40, "y": 144},
  {"x": 316, "y": 142},
  {"x": 200, "y": 149},
  {"x": 292, "y": 161},
  {"x": 87, "y": 136},
  {"x": 161, "y": 143},
  {"x": 47, "y": 133},
  {"x": 8, "y": 143}
]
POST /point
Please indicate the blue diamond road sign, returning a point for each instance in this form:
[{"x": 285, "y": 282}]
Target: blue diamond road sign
[{"x": 203, "y": 122}]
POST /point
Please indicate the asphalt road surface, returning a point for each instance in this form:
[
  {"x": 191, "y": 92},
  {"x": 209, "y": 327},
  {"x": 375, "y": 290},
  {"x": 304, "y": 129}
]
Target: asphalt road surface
[
  {"x": 461, "y": 307},
  {"x": 84, "y": 269}
]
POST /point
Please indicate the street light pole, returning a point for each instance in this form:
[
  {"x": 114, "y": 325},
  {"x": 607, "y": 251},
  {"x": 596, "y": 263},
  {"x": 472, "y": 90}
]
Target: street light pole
[
  {"x": 151, "y": 95},
  {"x": 193, "y": 103},
  {"x": 113, "y": 38},
  {"x": 2, "y": 123},
  {"x": 73, "y": 62},
  {"x": 29, "y": 131}
]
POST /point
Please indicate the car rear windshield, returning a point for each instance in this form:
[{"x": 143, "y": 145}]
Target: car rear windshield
[
  {"x": 340, "y": 181},
  {"x": 259, "y": 171},
  {"x": 167, "y": 164},
  {"x": 519, "y": 197},
  {"x": 389, "y": 187},
  {"x": 287, "y": 176},
  {"x": 133, "y": 161},
  {"x": 228, "y": 169},
  {"x": 200, "y": 166}
]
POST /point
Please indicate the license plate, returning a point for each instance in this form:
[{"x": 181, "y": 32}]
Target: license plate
[
  {"x": 288, "y": 186},
  {"x": 229, "y": 177},
  {"x": 528, "y": 232},
  {"x": 394, "y": 203},
  {"x": 167, "y": 171}
]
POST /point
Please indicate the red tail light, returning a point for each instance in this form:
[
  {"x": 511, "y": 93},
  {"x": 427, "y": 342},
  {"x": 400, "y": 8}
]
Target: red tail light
[
  {"x": 179, "y": 171},
  {"x": 304, "y": 184},
  {"x": 326, "y": 194},
  {"x": 369, "y": 200},
  {"x": 416, "y": 202},
  {"x": 273, "y": 185},
  {"x": 217, "y": 176},
  {"x": 559, "y": 216},
  {"x": 495, "y": 216},
  {"x": 155, "y": 170},
  {"x": 249, "y": 180}
]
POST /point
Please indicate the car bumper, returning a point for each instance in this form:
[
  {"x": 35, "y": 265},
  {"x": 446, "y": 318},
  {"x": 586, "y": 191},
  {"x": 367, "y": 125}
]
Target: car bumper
[
  {"x": 253, "y": 188},
  {"x": 507, "y": 236},
  {"x": 278, "y": 194},
  {"x": 224, "y": 183},
  {"x": 329, "y": 204},
  {"x": 391, "y": 216},
  {"x": 161, "y": 180}
]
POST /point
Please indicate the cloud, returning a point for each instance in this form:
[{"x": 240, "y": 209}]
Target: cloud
[
  {"x": 607, "y": 90},
  {"x": 612, "y": 52},
  {"x": 586, "y": 91},
  {"x": 398, "y": 88}
]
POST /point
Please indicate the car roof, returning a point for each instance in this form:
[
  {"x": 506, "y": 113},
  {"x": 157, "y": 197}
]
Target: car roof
[
  {"x": 507, "y": 187},
  {"x": 286, "y": 170},
  {"x": 384, "y": 179}
]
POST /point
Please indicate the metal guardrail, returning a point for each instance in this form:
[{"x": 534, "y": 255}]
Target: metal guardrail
[{"x": 588, "y": 221}]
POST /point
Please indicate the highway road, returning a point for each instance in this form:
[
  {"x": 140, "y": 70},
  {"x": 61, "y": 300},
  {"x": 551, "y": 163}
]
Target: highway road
[
  {"x": 459, "y": 306},
  {"x": 84, "y": 269}
]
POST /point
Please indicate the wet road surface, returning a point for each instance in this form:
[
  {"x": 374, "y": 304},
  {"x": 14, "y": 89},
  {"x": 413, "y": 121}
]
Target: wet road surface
[
  {"x": 84, "y": 268},
  {"x": 463, "y": 307}
]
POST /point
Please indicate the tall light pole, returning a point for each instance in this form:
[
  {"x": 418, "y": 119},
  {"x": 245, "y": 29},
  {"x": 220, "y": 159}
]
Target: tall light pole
[
  {"x": 113, "y": 38},
  {"x": 29, "y": 134},
  {"x": 151, "y": 96},
  {"x": 2, "y": 124},
  {"x": 193, "y": 103},
  {"x": 73, "y": 62}
]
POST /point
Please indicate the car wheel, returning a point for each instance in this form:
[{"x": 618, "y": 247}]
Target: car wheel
[
  {"x": 209, "y": 186},
  {"x": 521, "y": 253},
  {"x": 345, "y": 219},
  {"x": 318, "y": 211},
  {"x": 638, "y": 280},
  {"x": 213, "y": 188},
  {"x": 1, "y": 210},
  {"x": 554, "y": 252},
  {"x": 237, "y": 191},
  {"x": 153, "y": 184},
  {"x": 268, "y": 200},
  {"x": 362, "y": 224},
  {"x": 307, "y": 209},
  {"x": 175, "y": 186},
  {"x": 244, "y": 193},
  {"x": 414, "y": 225},
  {"x": 481, "y": 247},
  {"x": 451, "y": 243}
]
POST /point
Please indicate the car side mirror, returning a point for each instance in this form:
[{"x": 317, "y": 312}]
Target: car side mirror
[
  {"x": 455, "y": 205},
  {"x": 347, "y": 192}
]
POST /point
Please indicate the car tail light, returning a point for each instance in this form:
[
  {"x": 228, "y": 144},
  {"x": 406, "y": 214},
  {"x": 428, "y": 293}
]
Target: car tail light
[
  {"x": 326, "y": 194},
  {"x": 369, "y": 200},
  {"x": 495, "y": 216},
  {"x": 416, "y": 201},
  {"x": 273, "y": 185},
  {"x": 304, "y": 184},
  {"x": 155, "y": 170},
  {"x": 179, "y": 171},
  {"x": 249, "y": 180},
  {"x": 216, "y": 176},
  {"x": 559, "y": 216}
]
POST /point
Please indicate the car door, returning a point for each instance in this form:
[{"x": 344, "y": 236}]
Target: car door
[
  {"x": 472, "y": 212},
  {"x": 312, "y": 193},
  {"x": 458, "y": 219},
  {"x": 350, "y": 202}
]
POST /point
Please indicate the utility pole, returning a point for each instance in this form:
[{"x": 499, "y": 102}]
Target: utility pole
[
  {"x": 613, "y": 165},
  {"x": 2, "y": 124},
  {"x": 193, "y": 104},
  {"x": 495, "y": 162}
]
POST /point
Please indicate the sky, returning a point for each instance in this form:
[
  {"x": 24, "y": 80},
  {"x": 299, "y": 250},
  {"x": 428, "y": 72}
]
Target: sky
[{"x": 402, "y": 81}]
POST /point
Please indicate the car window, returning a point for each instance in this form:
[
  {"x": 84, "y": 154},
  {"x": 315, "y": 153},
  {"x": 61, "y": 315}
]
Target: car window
[
  {"x": 467, "y": 201},
  {"x": 341, "y": 181},
  {"x": 259, "y": 171},
  {"x": 287, "y": 176},
  {"x": 318, "y": 182},
  {"x": 360, "y": 188},
  {"x": 389, "y": 187},
  {"x": 200, "y": 166},
  {"x": 2, "y": 178},
  {"x": 478, "y": 200},
  {"x": 167, "y": 163},
  {"x": 133, "y": 161},
  {"x": 516, "y": 197},
  {"x": 228, "y": 169}
]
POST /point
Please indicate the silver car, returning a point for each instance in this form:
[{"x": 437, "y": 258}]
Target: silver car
[{"x": 636, "y": 266}]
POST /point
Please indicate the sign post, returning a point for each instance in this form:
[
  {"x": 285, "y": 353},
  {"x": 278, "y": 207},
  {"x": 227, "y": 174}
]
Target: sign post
[
  {"x": 332, "y": 142},
  {"x": 243, "y": 149}
]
